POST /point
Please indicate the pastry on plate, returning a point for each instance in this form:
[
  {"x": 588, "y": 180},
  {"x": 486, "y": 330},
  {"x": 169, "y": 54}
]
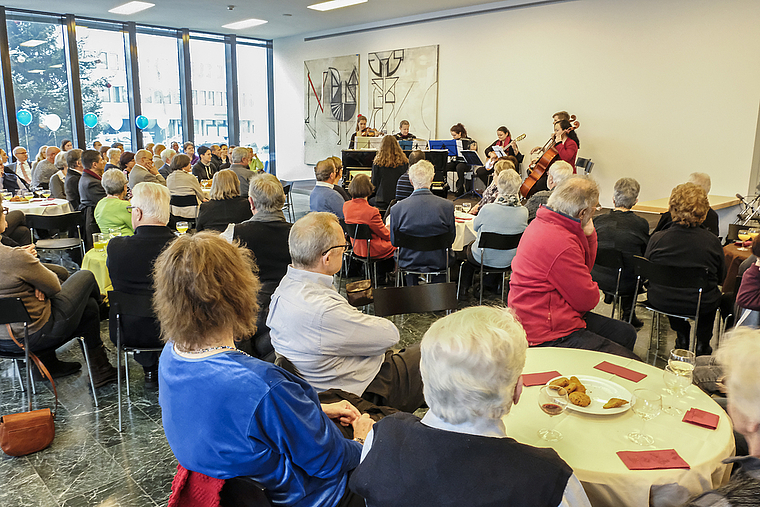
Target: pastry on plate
[
  {"x": 580, "y": 399},
  {"x": 615, "y": 403}
]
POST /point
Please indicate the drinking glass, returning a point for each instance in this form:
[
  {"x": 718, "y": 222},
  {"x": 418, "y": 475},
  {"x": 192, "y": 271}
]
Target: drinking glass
[
  {"x": 458, "y": 208},
  {"x": 114, "y": 232},
  {"x": 743, "y": 236},
  {"x": 647, "y": 405},
  {"x": 46, "y": 193},
  {"x": 552, "y": 400},
  {"x": 466, "y": 207},
  {"x": 182, "y": 227},
  {"x": 682, "y": 361},
  {"x": 676, "y": 383},
  {"x": 99, "y": 241}
]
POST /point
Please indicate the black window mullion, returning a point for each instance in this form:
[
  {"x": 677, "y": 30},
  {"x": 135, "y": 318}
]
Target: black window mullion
[
  {"x": 9, "y": 111},
  {"x": 186, "y": 87},
  {"x": 133, "y": 85},
  {"x": 233, "y": 112},
  {"x": 75, "y": 84}
]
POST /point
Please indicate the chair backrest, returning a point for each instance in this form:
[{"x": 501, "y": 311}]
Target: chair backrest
[
  {"x": 670, "y": 276},
  {"x": 431, "y": 297},
  {"x": 609, "y": 258},
  {"x": 359, "y": 231},
  {"x": 733, "y": 232},
  {"x": 423, "y": 243},
  {"x": 134, "y": 305},
  {"x": 48, "y": 222},
  {"x": 286, "y": 190},
  {"x": 497, "y": 241},
  {"x": 12, "y": 311},
  {"x": 184, "y": 201},
  {"x": 584, "y": 163}
]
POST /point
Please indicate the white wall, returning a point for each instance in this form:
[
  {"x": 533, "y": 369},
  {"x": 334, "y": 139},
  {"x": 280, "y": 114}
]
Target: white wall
[{"x": 662, "y": 88}]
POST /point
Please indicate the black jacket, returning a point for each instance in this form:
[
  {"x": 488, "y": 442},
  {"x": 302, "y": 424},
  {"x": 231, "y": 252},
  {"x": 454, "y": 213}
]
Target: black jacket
[{"x": 218, "y": 214}]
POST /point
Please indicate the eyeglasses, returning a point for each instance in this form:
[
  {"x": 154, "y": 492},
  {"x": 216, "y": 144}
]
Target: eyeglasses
[
  {"x": 130, "y": 208},
  {"x": 344, "y": 246}
]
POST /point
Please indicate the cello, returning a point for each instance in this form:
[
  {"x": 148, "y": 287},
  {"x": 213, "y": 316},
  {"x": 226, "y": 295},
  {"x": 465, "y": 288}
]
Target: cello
[{"x": 548, "y": 157}]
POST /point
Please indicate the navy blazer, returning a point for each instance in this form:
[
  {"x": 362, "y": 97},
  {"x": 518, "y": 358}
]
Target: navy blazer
[
  {"x": 12, "y": 182},
  {"x": 422, "y": 214}
]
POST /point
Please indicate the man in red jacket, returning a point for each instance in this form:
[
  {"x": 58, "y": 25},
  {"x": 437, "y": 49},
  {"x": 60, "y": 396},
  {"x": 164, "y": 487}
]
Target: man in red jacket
[{"x": 551, "y": 289}]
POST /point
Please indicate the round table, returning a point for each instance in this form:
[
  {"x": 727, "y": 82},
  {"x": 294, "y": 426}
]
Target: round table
[
  {"x": 96, "y": 262},
  {"x": 734, "y": 258},
  {"x": 48, "y": 207},
  {"x": 590, "y": 442}
]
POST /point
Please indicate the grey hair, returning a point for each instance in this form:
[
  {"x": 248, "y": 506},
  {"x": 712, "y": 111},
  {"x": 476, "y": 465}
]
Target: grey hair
[
  {"x": 167, "y": 155},
  {"x": 574, "y": 195},
  {"x": 114, "y": 154},
  {"x": 740, "y": 357},
  {"x": 113, "y": 181},
  {"x": 625, "y": 193},
  {"x": 421, "y": 174},
  {"x": 560, "y": 171},
  {"x": 60, "y": 160},
  {"x": 153, "y": 200},
  {"x": 266, "y": 192},
  {"x": 701, "y": 179},
  {"x": 471, "y": 362},
  {"x": 238, "y": 154},
  {"x": 142, "y": 154},
  {"x": 508, "y": 182},
  {"x": 311, "y": 236}
]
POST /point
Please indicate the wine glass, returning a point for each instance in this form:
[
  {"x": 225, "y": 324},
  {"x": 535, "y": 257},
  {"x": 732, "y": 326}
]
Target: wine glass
[
  {"x": 647, "y": 405},
  {"x": 676, "y": 383},
  {"x": 466, "y": 207},
  {"x": 682, "y": 361},
  {"x": 553, "y": 400},
  {"x": 182, "y": 227},
  {"x": 743, "y": 236},
  {"x": 46, "y": 193}
]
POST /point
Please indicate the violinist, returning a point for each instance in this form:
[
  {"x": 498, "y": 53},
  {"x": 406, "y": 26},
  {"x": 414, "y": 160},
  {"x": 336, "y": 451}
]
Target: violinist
[
  {"x": 361, "y": 130},
  {"x": 505, "y": 141},
  {"x": 566, "y": 142}
]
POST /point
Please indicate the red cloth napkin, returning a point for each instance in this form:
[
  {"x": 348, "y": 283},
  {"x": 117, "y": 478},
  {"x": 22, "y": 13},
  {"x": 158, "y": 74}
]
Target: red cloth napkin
[
  {"x": 701, "y": 418},
  {"x": 652, "y": 460},
  {"x": 620, "y": 371},
  {"x": 539, "y": 379}
]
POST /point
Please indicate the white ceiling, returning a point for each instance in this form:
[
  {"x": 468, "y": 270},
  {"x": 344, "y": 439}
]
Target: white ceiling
[{"x": 210, "y": 15}]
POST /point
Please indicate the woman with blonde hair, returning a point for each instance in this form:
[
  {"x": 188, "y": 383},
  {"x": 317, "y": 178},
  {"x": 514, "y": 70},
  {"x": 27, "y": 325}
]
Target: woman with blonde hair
[
  {"x": 226, "y": 205},
  {"x": 389, "y": 164}
]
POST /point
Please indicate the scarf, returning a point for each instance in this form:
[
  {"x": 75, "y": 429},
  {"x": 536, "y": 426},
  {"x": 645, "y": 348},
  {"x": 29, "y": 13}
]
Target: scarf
[{"x": 508, "y": 200}]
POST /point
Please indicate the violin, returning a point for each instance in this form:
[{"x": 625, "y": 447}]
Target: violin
[
  {"x": 369, "y": 132},
  {"x": 548, "y": 156}
]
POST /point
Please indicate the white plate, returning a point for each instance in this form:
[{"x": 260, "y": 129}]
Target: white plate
[{"x": 600, "y": 391}]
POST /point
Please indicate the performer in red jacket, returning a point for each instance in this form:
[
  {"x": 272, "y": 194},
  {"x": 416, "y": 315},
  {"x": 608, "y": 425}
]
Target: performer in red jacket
[{"x": 551, "y": 289}]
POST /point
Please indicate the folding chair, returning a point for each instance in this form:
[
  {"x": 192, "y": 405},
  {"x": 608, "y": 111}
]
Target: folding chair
[
  {"x": 423, "y": 244},
  {"x": 289, "y": 202},
  {"x": 66, "y": 222},
  {"x": 612, "y": 259},
  {"x": 492, "y": 241},
  {"x": 433, "y": 297},
  {"x": 362, "y": 232}
]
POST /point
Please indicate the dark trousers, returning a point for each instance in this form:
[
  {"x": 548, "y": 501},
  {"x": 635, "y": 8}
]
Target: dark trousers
[
  {"x": 705, "y": 324},
  {"x": 602, "y": 334},
  {"x": 461, "y": 168},
  {"x": 398, "y": 384},
  {"x": 483, "y": 173},
  {"x": 16, "y": 228}
]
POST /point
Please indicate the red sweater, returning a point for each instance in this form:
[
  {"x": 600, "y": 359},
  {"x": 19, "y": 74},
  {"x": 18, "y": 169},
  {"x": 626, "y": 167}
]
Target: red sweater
[
  {"x": 568, "y": 151},
  {"x": 749, "y": 291},
  {"x": 551, "y": 286},
  {"x": 358, "y": 211}
]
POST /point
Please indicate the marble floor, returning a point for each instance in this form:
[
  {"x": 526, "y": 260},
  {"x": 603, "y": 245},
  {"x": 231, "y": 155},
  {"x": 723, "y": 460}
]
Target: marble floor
[{"x": 91, "y": 464}]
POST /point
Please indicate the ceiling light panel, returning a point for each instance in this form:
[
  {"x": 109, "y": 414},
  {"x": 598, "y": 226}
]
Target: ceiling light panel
[
  {"x": 131, "y": 8},
  {"x": 246, "y": 23},
  {"x": 334, "y": 4}
]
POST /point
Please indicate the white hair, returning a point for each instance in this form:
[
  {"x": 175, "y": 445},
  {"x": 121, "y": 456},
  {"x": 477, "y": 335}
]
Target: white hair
[
  {"x": 238, "y": 154},
  {"x": 60, "y": 160},
  {"x": 560, "y": 171},
  {"x": 167, "y": 155},
  {"x": 508, "y": 182},
  {"x": 740, "y": 357},
  {"x": 702, "y": 180},
  {"x": 421, "y": 174},
  {"x": 574, "y": 195},
  {"x": 311, "y": 236},
  {"x": 114, "y": 154},
  {"x": 625, "y": 192},
  {"x": 113, "y": 181},
  {"x": 153, "y": 200},
  {"x": 471, "y": 362},
  {"x": 266, "y": 192},
  {"x": 142, "y": 154}
]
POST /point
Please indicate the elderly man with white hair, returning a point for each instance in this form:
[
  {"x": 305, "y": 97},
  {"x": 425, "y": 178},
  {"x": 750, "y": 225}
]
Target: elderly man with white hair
[
  {"x": 113, "y": 155},
  {"x": 471, "y": 363},
  {"x": 422, "y": 214},
  {"x": 332, "y": 344},
  {"x": 144, "y": 171},
  {"x": 711, "y": 222},
  {"x": 559, "y": 171},
  {"x": 551, "y": 289},
  {"x": 45, "y": 168},
  {"x": 240, "y": 160},
  {"x": 130, "y": 265},
  {"x": 166, "y": 158}
]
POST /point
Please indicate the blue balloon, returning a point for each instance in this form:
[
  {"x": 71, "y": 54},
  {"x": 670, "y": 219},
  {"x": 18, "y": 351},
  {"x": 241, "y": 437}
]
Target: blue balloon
[
  {"x": 90, "y": 120},
  {"x": 24, "y": 117},
  {"x": 141, "y": 122}
]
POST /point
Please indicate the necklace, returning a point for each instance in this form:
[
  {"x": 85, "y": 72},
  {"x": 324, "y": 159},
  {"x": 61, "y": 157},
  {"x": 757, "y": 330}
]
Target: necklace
[{"x": 211, "y": 349}]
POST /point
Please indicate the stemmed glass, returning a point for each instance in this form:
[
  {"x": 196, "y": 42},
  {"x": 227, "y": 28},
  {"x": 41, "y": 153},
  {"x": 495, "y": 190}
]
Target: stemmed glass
[
  {"x": 647, "y": 405},
  {"x": 676, "y": 383},
  {"x": 466, "y": 207},
  {"x": 182, "y": 227},
  {"x": 553, "y": 400},
  {"x": 682, "y": 361}
]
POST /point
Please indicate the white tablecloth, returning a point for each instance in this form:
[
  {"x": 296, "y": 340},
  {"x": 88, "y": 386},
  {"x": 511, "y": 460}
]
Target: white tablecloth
[
  {"x": 590, "y": 443},
  {"x": 49, "y": 207},
  {"x": 465, "y": 230}
]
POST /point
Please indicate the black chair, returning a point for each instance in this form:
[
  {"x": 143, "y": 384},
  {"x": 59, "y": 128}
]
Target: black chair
[
  {"x": 361, "y": 232},
  {"x": 289, "y": 202},
  {"x": 184, "y": 201},
  {"x": 433, "y": 297},
  {"x": 243, "y": 492},
  {"x": 12, "y": 311},
  {"x": 584, "y": 163},
  {"x": 493, "y": 241},
  {"x": 67, "y": 222},
  {"x": 133, "y": 305},
  {"x": 612, "y": 259},
  {"x": 423, "y": 244},
  {"x": 670, "y": 277}
]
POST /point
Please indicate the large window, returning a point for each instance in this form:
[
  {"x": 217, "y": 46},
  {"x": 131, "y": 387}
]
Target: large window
[
  {"x": 253, "y": 99},
  {"x": 103, "y": 76},
  {"x": 158, "y": 60},
  {"x": 209, "y": 79},
  {"x": 40, "y": 83}
]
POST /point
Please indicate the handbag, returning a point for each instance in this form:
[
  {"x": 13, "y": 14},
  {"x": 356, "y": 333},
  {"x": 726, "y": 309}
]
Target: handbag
[
  {"x": 359, "y": 293},
  {"x": 27, "y": 432}
]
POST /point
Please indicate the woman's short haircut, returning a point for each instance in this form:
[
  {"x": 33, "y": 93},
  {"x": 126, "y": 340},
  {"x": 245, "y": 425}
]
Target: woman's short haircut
[
  {"x": 311, "y": 236},
  {"x": 73, "y": 156},
  {"x": 701, "y": 179},
  {"x": 60, "y": 160},
  {"x": 113, "y": 181},
  {"x": 421, "y": 174},
  {"x": 416, "y": 156},
  {"x": 361, "y": 186},
  {"x": 225, "y": 185},
  {"x": 188, "y": 145},
  {"x": 508, "y": 183},
  {"x": 471, "y": 362},
  {"x": 125, "y": 159},
  {"x": 179, "y": 162},
  {"x": 740, "y": 357},
  {"x": 625, "y": 193},
  {"x": 266, "y": 192},
  {"x": 153, "y": 200},
  {"x": 205, "y": 285},
  {"x": 574, "y": 195},
  {"x": 688, "y": 204},
  {"x": 560, "y": 171},
  {"x": 503, "y": 165}
]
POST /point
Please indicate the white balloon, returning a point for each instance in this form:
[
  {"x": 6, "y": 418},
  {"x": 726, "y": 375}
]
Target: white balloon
[
  {"x": 115, "y": 122},
  {"x": 52, "y": 121},
  {"x": 162, "y": 122}
]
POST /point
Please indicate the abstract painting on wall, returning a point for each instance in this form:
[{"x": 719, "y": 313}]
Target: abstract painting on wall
[
  {"x": 403, "y": 85},
  {"x": 331, "y": 101}
]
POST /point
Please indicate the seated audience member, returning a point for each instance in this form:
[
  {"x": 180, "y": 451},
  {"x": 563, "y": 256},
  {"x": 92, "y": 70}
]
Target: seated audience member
[
  {"x": 265, "y": 234},
  {"x": 551, "y": 289},
  {"x": 203, "y": 170},
  {"x": 239, "y": 166},
  {"x": 504, "y": 216},
  {"x": 143, "y": 170},
  {"x": 332, "y": 344},
  {"x": 59, "y": 312},
  {"x": 113, "y": 211},
  {"x": 558, "y": 172},
  {"x": 711, "y": 220},
  {"x": 73, "y": 175},
  {"x": 471, "y": 365},
  {"x": 403, "y": 131},
  {"x": 621, "y": 230},
  {"x": 226, "y": 205},
  {"x": 213, "y": 396},
  {"x": 16, "y": 232},
  {"x": 9, "y": 180},
  {"x": 358, "y": 211},
  {"x": 324, "y": 197},
  {"x": 127, "y": 162},
  {"x": 157, "y": 150},
  {"x": 748, "y": 293},
  {"x": 223, "y": 156},
  {"x": 166, "y": 159},
  {"x": 740, "y": 357},
  {"x": 91, "y": 191},
  {"x": 118, "y": 145},
  {"x": 180, "y": 183},
  {"x": 404, "y": 187},
  {"x": 422, "y": 214},
  {"x": 112, "y": 156},
  {"x": 685, "y": 244},
  {"x": 256, "y": 165},
  {"x": 130, "y": 266},
  {"x": 57, "y": 182},
  {"x": 44, "y": 169},
  {"x": 492, "y": 191},
  {"x": 189, "y": 150},
  {"x": 338, "y": 186},
  {"x": 389, "y": 164}
]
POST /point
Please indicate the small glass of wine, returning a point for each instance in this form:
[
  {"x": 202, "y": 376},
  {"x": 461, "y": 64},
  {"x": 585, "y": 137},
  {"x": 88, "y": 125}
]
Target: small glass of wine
[
  {"x": 553, "y": 400},
  {"x": 466, "y": 207},
  {"x": 46, "y": 193},
  {"x": 682, "y": 361},
  {"x": 182, "y": 227},
  {"x": 676, "y": 383},
  {"x": 647, "y": 405},
  {"x": 743, "y": 236}
]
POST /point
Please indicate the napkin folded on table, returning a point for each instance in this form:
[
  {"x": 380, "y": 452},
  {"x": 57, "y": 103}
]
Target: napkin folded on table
[
  {"x": 652, "y": 460},
  {"x": 538, "y": 379},
  {"x": 620, "y": 371},
  {"x": 701, "y": 418}
]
